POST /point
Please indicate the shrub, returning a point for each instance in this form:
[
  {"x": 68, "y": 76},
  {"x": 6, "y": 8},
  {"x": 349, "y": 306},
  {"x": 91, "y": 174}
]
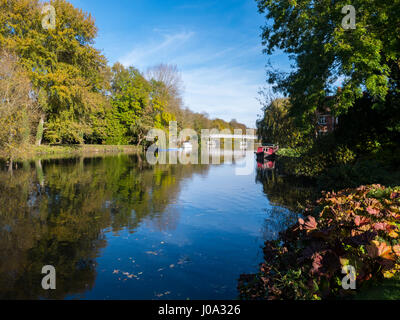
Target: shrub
[
  {"x": 289, "y": 152},
  {"x": 360, "y": 173},
  {"x": 358, "y": 227}
]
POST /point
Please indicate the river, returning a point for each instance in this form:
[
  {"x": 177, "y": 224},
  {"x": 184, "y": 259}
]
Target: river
[{"x": 115, "y": 227}]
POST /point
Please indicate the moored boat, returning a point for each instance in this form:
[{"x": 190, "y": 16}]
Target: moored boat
[{"x": 267, "y": 151}]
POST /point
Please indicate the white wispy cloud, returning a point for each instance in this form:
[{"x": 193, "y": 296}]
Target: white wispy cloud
[
  {"x": 225, "y": 92},
  {"x": 160, "y": 48},
  {"x": 221, "y": 81}
]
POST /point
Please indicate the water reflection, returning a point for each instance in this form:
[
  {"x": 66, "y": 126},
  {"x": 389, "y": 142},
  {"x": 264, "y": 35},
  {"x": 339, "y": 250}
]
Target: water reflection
[
  {"x": 178, "y": 231},
  {"x": 286, "y": 191},
  {"x": 55, "y": 212},
  {"x": 197, "y": 156}
]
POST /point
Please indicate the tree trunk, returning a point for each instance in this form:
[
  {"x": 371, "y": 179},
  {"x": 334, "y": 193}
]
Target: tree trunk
[
  {"x": 39, "y": 132},
  {"x": 10, "y": 166},
  {"x": 39, "y": 172},
  {"x": 140, "y": 161},
  {"x": 140, "y": 139}
]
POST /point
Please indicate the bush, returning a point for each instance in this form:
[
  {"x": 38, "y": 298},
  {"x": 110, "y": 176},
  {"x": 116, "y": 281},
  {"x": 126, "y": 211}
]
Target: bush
[
  {"x": 313, "y": 160},
  {"x": 360, "y": 173},
  {"x": 357, "y": 227},
  {"x": 289, "y": 152},
  {"x": 336, "y": 166}
]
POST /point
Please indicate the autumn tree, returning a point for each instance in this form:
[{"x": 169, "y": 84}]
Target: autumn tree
[
  {"x": 169, "y": 75},
  {"x": 18, "y": 107},
  {"x": 172, "y": 88},
  {"x": 69, "y": 74}
]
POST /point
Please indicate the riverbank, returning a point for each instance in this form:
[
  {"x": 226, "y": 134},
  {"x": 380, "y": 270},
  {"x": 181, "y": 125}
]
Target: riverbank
[
  {"x": 356, "y": 224},
  {"x": 355, "y": 230},
  {"x": 50, "y": 151},
  {"x": 342, "y": 170}
]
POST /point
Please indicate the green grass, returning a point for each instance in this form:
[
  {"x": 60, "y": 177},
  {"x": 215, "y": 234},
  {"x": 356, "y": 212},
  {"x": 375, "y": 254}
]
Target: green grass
[
  {"x": 49, "y": 151},
  {"x": 389, "y": 289}
]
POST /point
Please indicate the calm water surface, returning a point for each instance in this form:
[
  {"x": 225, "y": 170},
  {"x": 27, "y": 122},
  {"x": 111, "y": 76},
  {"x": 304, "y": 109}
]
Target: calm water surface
[{"x": 117, "y": 228}]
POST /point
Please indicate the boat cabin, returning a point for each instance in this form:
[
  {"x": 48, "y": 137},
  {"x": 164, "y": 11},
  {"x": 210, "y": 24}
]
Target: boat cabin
[{"x": 267, "y": 150}]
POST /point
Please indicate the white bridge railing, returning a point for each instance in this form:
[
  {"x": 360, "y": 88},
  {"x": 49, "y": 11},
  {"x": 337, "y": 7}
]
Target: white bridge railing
[{"x": 233, "y": 136}]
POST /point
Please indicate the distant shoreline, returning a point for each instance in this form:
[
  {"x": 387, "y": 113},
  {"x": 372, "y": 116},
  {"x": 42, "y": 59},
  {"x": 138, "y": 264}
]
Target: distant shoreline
[{"x": 49, "y": 151}]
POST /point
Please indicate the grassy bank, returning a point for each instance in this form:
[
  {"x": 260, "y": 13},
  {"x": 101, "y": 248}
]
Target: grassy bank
[{"x": 49, "y": 151}]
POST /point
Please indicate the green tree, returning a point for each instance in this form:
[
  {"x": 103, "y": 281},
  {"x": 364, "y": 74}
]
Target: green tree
[
  {"x": 365, "y": 58},
  {"x": 139, "y": 104},
  {"x": 276, "y": 125},
  {"x": 131, "y": 102}
]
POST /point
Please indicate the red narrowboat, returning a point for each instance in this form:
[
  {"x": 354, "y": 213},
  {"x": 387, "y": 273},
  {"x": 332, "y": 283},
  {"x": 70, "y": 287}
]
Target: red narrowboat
[{"x": 267, "y": 151}]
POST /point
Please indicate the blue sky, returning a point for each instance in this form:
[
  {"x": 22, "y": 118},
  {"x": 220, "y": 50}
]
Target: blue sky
[{"x": 216, "y": 45}]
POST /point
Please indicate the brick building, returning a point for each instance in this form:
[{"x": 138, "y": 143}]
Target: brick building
[{"x": 326, "y": 122}]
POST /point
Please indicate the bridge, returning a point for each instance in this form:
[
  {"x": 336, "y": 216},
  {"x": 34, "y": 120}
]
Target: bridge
[
  {"x": 233, "y": 136},
  {"x": 212, "y": 139}
]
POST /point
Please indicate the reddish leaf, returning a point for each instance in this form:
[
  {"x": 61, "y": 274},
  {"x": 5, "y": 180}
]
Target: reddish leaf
[
  {"x": 396, "y": 250},
  {"x": 380, "y": 249},
  {"x": 394, "y": 195},
  {"x": 372, "y": 211},
  {"x": 360, "y": 221},
  {"x": 309, "y": 224},
  {"x": 380, "y": 226}
]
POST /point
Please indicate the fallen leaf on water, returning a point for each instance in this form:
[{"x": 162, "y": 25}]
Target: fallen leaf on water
[
  {"x": 152, "y": 252},
  {"x": 183, "y": 260}
]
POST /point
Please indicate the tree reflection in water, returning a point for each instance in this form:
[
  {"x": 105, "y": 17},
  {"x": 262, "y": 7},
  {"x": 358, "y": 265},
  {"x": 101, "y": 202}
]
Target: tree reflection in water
[
  {"x": 55, "y": 212},
  {"x": 287, "y": 194}
]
